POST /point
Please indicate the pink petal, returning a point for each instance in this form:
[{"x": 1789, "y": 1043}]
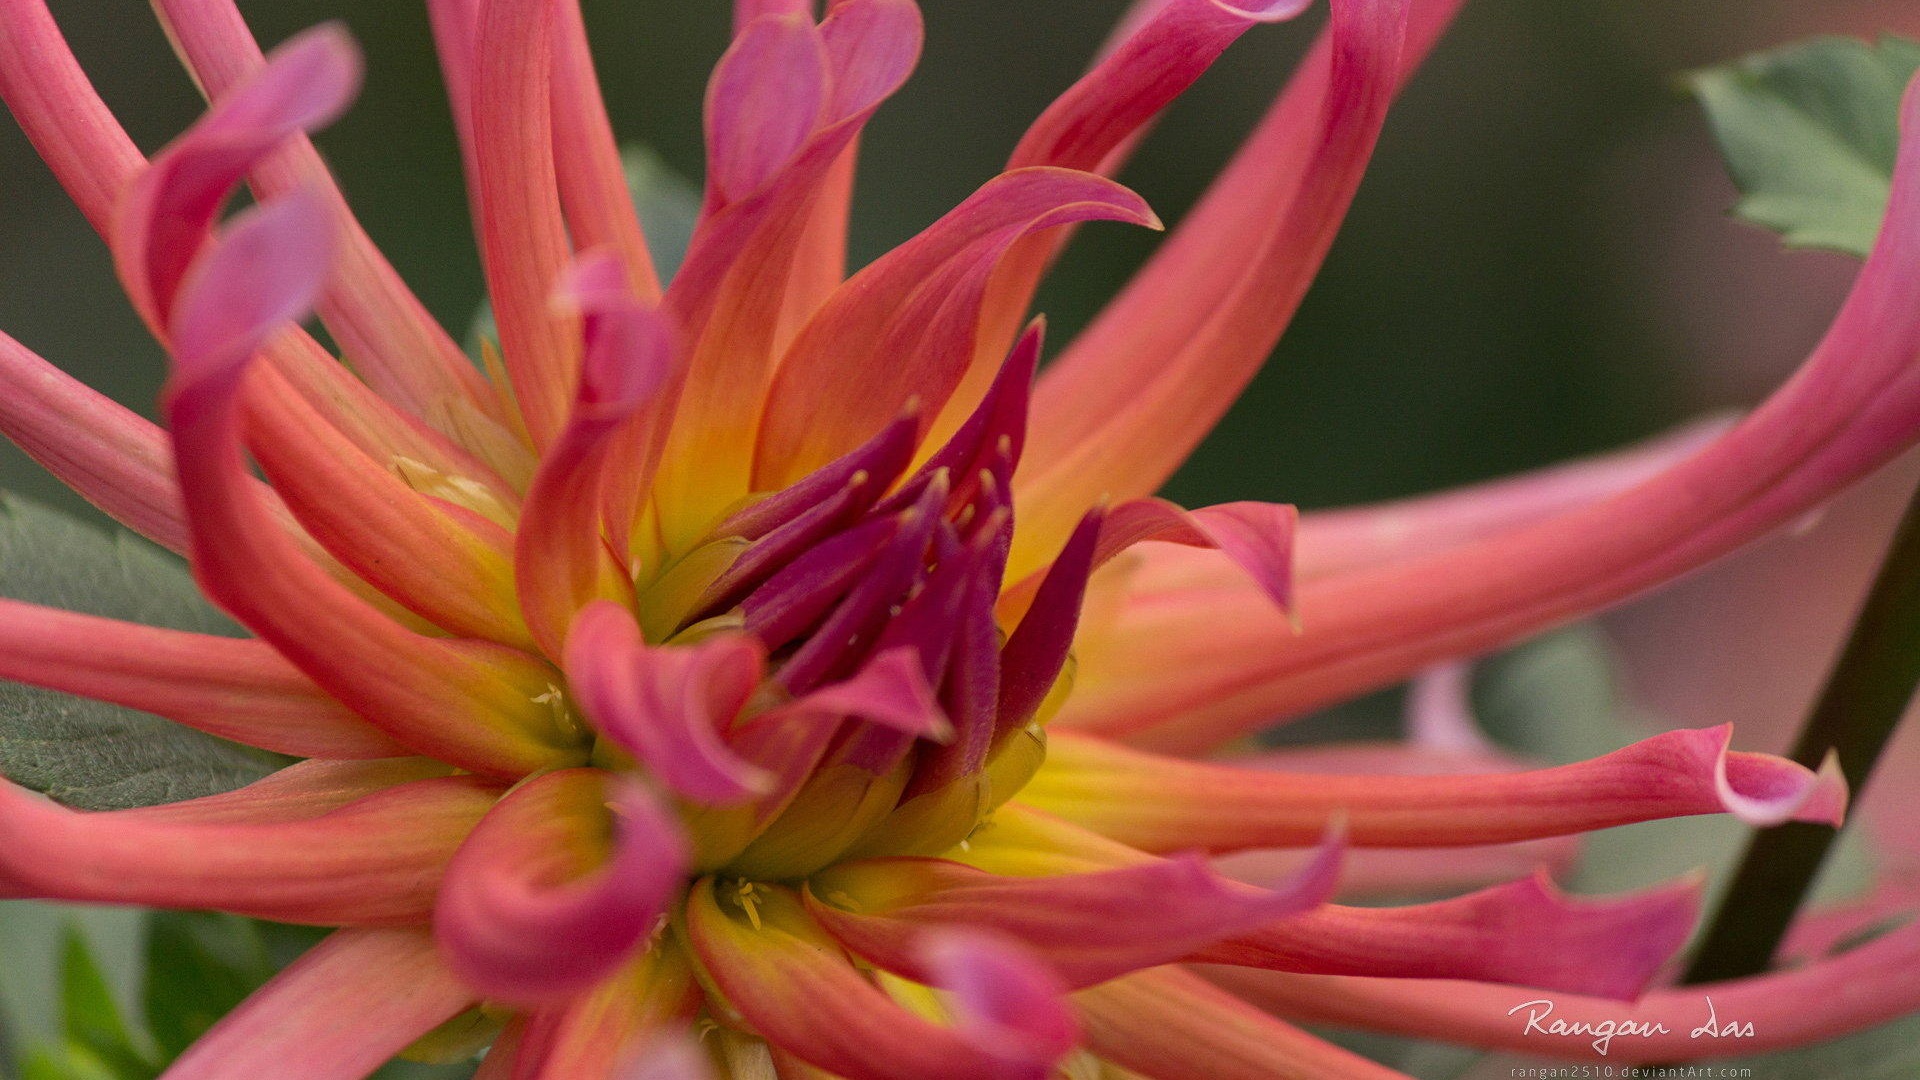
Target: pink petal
[
  {"x": 375, "y": 861},
  {"x": 1168, "y": 1022},
  {"x": 1130, "y": 398},
  {"x": 1867, "y": 986},
  {"x": 302, "y": 791},
  {"x": 522, "y": 228},
  {"x": 1336, "y": 541},
  {"x": 1088, "y": 927},
  {"x": 1037, "y": 649},
  {"x": 563, "y": 559},
  {"x": 764, "y": 100},
  {"x": 667, "y": 706},
  {"x": 517, "y": 917},
  {"x": 346, "y": 1007},
  {"x": 463, "y": 702},
  {"x": 1170, "y": 804},
  {"x": 745, "y": 265},
  {"x": 1853, "y": 406},
  {"x": 798, "y": 991},
  {"x": 391, "y": 339},
  {"x": 919, "y": 307},
  {"x": 1002, "y": 994},
  {"x": 1256, "y": 537},
  {"x": 1526, "y": 932},
  {"x": 168, "y": 215},
  {"x": 236, "y": 689},
  {"x": 890, "y": 690},
  {"x": 593, "y": 184}
]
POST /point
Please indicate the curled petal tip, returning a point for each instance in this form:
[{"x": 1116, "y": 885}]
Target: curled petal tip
[
  {"x": 891, "y": 690},
  {"x": 1003, "y": 996},
  {"x": 263, "y": 271},
  {"x": 318, "y": 71},
  {"x": 1763, "y": 790}
]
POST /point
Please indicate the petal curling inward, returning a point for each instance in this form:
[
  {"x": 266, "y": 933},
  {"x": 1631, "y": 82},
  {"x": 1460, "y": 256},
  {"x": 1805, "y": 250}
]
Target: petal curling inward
[
  {"x": 167, "y": 215},
  {"x": 743, "y": 262},
  {"x": 798, "y": 990},
  {"x": 1853, "y": 406},
  {"x": 607, "y": 1032},
  {"x": 517, "y": 917},
  {"x": 1003, "y": 993},
  {"x": 1168, "y": 1024},
  {"x": 918, "y": 306},
  {"x": 384, "y": 330},
  {"x": 1524, "y": 933},
  {"x": 1158, "y": 803},
  {"x": 375, "y": 861},
  {"x": 572, "y": 541},
  {"x": 345, "y": 1008},
  {"x": 1162, "y": 387},
  {"x": 234, "y": 688},
  {"x": 468, "y": 702},
  {"x": 1088, "y": 927},
  {"x": 1256, "y": 537},
  {"x": 669, "y": 706},
  {"x": 1858, "y": 989}
]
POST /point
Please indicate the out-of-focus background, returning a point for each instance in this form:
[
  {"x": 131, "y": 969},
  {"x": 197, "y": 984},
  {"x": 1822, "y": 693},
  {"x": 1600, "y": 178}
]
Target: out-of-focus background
[{"x": 1539, "y": 265}]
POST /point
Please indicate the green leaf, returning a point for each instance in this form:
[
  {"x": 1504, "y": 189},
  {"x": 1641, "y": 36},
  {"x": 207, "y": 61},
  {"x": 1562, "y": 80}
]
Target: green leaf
[
  {"x": 95, "y": 1032},
  {"x": 85, "y": 753},
  {"x": 669, "y": 205},
  {"x": 1809, "y": 133},
  {"x": 199, "y": 966}
]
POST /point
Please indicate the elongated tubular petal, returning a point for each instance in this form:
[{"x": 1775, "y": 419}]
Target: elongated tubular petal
[
  {"x": 998, "y": 422},
  {"x": 562, "y": 556},
  {"x": 1866, "y": 986},
  {"x": 1354, "y": 538},
  {"x": 522, "y": 920},
  {"x": 95, "y": 162},
  {"x": 1168, "y": 1024},
  {"x": 734, "y": 285},
  {"x": 667, "y": 706},
  {"x": 115, "y": 459},
  {"x": 464, "y": 702},
  {"x": 1169, "y": 804},
  {"x": 1162, "y": 386},
  {"x": 1095, "y": 124},
  {"x": 1525, "y": 932},
  {"x": 302, "y": 791},
  {"x": 449, "y": 566},
  {"x": 746, "y": 11},
  {"x": 523, "y": 235},
  {"x": 384, "y": 330},
  {"x": 1038, "y": 647},
  {"x": 798, "y": 990},
  {"x": 1854, "y": 405},
  {"x": 1088, "y": 927},
  {"x": 374, "y": 862},
  {"x": 1258, "y": 538},
  {"x": 802, "y": 591},
  {"x": 919, "y": 307},
  {"x": 593, "y": 185},
  {"x": 342, "y": 1010},
  {"x": 609, "y": 1031},
  {"x": 233, "y": 688}
]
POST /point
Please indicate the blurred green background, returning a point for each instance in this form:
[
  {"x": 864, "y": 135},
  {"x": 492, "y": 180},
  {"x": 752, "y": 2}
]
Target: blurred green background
[{"x": 1534, "y": 268}]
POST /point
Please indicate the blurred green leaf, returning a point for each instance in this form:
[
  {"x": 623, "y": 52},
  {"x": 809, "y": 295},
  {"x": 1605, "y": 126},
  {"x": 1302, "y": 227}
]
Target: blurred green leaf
[
  {"x": 95, "y": 1042},
  {"x": 1809, "y": 133},
  {"x": 199, "y": 966},
  {"x": 84, "y": 753}
]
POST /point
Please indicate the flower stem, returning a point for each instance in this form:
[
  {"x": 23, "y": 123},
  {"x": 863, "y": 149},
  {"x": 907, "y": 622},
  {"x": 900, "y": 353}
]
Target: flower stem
[{"x": 1865, "y": 696}]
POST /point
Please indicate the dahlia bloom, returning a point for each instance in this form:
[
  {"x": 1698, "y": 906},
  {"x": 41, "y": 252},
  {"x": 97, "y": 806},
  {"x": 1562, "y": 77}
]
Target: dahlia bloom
[{"x": 771, "y": 655}]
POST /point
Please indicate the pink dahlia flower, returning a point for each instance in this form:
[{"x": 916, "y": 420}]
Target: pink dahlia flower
[{"x": 769, "y": 654}]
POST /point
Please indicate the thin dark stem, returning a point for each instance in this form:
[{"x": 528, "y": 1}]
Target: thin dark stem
[{"x": 1864, "y": 698}]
